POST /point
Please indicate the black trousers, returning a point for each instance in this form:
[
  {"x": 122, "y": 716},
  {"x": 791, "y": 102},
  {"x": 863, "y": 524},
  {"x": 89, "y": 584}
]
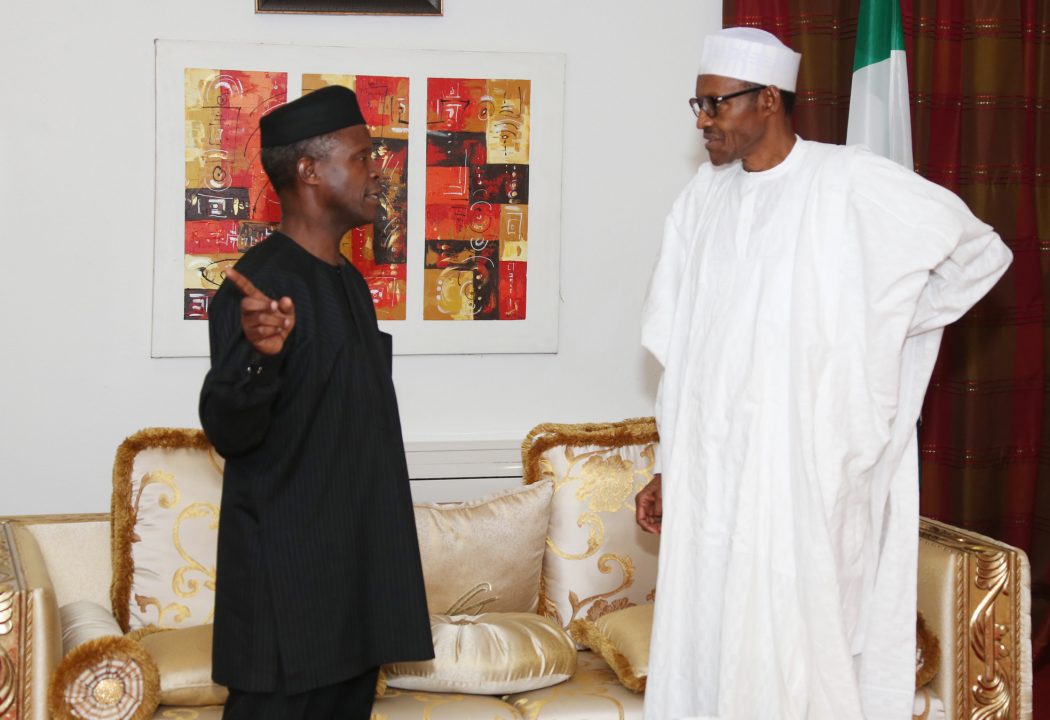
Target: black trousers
[{"x": 348, "y": 700}]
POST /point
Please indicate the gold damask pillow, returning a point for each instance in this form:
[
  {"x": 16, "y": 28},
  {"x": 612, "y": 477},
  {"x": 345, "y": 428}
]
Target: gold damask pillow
[
  {"x": 489, "y": 654},
  {"x": 167, "y": 484},
  {"x": 597, "y": 559},
  {"x": 484, "y": 555},
  {"x": 622, "y": 639}
]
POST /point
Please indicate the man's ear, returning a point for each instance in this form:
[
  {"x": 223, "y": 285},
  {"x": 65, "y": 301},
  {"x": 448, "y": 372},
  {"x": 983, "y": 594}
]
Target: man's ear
[
  {"x": 306, "y": 169},
  {"x": 769, "y": 100}
]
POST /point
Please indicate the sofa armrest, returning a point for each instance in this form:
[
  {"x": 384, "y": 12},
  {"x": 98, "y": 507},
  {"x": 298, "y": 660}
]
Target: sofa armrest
[
  {"x": 30, "y": 634},
  {"x": 975, "y": 594}
]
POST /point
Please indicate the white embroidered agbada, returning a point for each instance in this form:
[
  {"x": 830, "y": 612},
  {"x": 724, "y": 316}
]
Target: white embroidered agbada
[{"x": 797, "y": 313}]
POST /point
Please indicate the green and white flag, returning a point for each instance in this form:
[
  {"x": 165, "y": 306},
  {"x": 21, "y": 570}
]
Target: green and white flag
[{"x": 878, "y": 110}]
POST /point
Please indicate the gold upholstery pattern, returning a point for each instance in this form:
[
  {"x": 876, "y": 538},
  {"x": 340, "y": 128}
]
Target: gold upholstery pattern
[
  {"x": 484, "y": 555},
  {"x": 167, "y": 485},
  {"x": 597, "y": 559},
  {"x": 489, "y": 654},
  {"x": 975, "y": 596},
  {"x": 409, "y": 705},
  {"x": 593, "y": 693},
  {"x": 30, "y": 639}
]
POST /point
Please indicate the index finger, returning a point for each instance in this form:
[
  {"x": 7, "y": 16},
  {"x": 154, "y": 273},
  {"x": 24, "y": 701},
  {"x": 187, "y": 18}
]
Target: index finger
[{"x": 245, "y": 285}]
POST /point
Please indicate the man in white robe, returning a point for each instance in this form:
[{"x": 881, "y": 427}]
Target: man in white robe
[{"x": 796, "y": 307}]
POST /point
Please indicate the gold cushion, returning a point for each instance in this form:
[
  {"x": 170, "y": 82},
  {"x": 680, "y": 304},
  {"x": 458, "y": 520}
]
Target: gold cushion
[
  {"x": 622, "y": 639},
  {"x": 490, "y": 654},
  {"x": 484, "y": 555},
  {"x": 167, "y": 484},
  {"x": 183, "y": 658},
  {"x": 597, "y": 559}
]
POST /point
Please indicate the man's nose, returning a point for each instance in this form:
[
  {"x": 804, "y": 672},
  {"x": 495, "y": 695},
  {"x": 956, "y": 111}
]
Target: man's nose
[{"x": 703, "y": 121}]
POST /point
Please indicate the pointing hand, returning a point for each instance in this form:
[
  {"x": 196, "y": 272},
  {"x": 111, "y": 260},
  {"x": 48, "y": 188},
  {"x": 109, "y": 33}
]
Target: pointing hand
[{"x": 266, "y": 322}]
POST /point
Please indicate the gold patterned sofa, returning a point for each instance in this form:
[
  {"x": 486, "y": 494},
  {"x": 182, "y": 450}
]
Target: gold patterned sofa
[{"x": 106, "y": 615}]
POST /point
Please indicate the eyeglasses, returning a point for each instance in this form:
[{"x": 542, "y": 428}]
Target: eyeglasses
[{"x": 709, "y": 103}]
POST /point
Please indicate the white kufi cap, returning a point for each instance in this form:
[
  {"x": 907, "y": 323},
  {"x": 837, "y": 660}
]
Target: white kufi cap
[{"x": 751, "y": 55}]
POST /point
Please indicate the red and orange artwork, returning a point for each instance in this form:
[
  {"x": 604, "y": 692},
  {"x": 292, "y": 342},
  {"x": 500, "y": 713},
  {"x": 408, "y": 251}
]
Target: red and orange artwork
[
  {"x": 477, "y": 199},
  {"x": 229, "y": 204},
  {"x": 380, "y": 250}
]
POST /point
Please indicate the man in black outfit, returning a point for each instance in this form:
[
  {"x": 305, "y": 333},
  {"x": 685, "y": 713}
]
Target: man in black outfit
[{"x": 319, "y": 580}]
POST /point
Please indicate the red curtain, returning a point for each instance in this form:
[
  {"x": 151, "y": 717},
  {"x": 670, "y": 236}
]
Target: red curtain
[{"x": 980, "y": 102}]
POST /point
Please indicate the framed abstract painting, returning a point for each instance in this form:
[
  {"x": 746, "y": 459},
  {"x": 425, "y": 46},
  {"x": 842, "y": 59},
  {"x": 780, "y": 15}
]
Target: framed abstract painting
[{"x": 464, "y": 255}]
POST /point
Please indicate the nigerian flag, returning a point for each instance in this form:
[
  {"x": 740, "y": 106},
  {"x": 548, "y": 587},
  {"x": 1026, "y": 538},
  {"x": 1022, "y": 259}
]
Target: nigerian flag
[{"x": 878, "y": 110}]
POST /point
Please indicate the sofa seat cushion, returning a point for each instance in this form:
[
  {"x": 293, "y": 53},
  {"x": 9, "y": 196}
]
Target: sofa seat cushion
[
  {"x": 394, "y": 705},
  {"x": 593, "y": 693},
  {"x": 490, "y": 654},
  {"x": 413, "y": 705}
]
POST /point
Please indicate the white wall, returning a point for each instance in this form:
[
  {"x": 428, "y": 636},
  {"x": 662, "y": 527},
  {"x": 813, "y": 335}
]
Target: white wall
[{"x": 76, "y": 151}]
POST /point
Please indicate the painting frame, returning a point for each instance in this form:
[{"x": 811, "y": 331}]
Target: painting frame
[
  {"x": 174, "y": 336},
  {"x": 351, "y": 7}
]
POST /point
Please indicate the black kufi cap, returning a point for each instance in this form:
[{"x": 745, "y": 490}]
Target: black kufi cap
[{"x": 322, "y": 111}]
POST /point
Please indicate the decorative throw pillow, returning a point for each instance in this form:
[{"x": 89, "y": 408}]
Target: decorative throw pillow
[
  {"x": 183, "y": 659},
  {"x": 489, "y": 654},
  {"x": 622, "y": 639},
  {"x": 597, "y": 559},
  {"x": 108, "y": 677},
  {"x": 484, "y": 555},
  {"x": 167, "y": 484}
]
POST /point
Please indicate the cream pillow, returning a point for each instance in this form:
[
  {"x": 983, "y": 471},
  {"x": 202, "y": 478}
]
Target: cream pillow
[
  {"x": 597, "y": 558},
  {"x": 83, "y": 620},
  {"x": 484, "y": 555},
  {"x": 167, "y": 484},
  {"x": 183, "y": 659},
  {"x": 489, "y": 654},
  {"x": 622, "y": 639}
]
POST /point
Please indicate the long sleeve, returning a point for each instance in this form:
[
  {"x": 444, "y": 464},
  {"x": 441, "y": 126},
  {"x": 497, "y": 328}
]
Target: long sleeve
[
  {"x": 239, "y": 391},
  {"x": 665, "y": 284},
  {"x": 924, "y": 234}
]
